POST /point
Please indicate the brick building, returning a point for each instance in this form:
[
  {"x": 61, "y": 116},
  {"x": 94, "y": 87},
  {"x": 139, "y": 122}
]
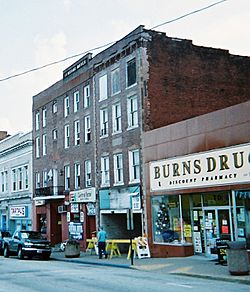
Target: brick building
[{"x": 88, "y": 128}]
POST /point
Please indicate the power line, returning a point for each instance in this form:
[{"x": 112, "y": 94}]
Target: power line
[{"x": 108, "y": 44}]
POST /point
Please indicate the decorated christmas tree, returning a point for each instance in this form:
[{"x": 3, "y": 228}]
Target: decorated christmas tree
[{"x": 162, "y": 222}]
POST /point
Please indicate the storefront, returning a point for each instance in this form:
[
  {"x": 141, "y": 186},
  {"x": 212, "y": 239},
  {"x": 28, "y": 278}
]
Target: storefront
[{"x": 199, "y": 198}]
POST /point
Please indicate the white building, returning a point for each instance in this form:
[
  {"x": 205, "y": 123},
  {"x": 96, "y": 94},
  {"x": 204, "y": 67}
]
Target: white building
[{"x": 16, "y": 182}]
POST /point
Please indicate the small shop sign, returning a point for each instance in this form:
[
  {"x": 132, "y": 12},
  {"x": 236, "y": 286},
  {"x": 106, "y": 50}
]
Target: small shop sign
[
  {"x": 18, "y": 211},
  {"x": 83, "y": 196}
]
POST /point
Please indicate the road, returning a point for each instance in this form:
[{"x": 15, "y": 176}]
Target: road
[{"x": 37, "y": 275}]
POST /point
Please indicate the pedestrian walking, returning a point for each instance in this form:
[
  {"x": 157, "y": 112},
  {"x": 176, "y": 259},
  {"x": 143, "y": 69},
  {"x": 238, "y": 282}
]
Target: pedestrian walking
[{"x": 102, "y": 236}]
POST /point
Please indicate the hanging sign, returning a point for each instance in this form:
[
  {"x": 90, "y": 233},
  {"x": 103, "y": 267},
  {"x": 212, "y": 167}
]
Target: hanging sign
[{"x": 18, "y": 211}]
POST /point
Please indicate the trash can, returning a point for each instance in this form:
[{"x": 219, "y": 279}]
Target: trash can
[{"x": 237, "y": 258}]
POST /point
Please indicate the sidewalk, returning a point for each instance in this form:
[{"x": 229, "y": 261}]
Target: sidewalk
[{"x": 194, "y": 266}]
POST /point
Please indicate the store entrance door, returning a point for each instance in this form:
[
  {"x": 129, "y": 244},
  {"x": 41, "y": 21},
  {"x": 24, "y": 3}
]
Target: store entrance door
[{"x": 217, "y": 224}]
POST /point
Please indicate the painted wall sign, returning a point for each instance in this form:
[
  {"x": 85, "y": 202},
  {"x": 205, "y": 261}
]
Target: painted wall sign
[
  {"x": 219, "y": 167},
  {"x": 18, "y": 211},
  {"x": 83, "y": 196}
]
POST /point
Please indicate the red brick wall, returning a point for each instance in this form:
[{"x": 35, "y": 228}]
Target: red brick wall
[{"x": 187, "y": 81}]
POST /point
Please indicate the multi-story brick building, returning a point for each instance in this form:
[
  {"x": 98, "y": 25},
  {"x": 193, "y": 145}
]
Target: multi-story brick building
[
  {"x": 88, "y": 127},
  {"x": 16, "y": 182}
]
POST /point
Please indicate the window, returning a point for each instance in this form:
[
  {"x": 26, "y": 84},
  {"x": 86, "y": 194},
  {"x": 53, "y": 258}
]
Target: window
[
  {"x": 26, "y": 177},
  {"x": 104, "y": 170},
  {"x": 44, "y": 117},
  {"x": 66, "y": 106},
  {"x": 44, "y": 144},
  {"x": 117, "y": 119},
  {"x": 132, "y": 112},
  {"x": 87, "y": 137},
  {"x": 37, "y": 121},
  {"x": 134, "y": 166},
  {"x": 67, "y": 177},
  {"x": 77, "y": 176},
  {"x": 38, "y": 180},
  {"x": 115, "y": 81},
  {"x": 54, "y": 134},
  {"x": 88, "y": 173},
  {"x": 14, "y": 180},
  {"x": 86, "y": 96},
  {"x": 118, "y": 169},
  {"x": 37, "y": 147},
  {"x": 103, "y": 89},
  {"x": 104, "y": 122},
  {"x": 76, "y": 101},
  {"x": 20, "y": 178},
  {"x": 77, "y": 132},
  {"x": 4, "y": 181},
  {"x": 66, "y": 136},
  {"x": 131, "y": 72},
  {"x": 54, "y": 107},
  {"x": 45, "y": 178}
]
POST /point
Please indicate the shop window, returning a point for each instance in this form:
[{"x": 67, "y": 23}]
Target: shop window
[
  {"x": 216, "y": 199},
  {"x": 243, "y": 215},
  {"x": 166, "y": 219}
]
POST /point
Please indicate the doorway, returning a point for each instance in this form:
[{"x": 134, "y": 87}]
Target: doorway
[{"x": 217, "y": 222}]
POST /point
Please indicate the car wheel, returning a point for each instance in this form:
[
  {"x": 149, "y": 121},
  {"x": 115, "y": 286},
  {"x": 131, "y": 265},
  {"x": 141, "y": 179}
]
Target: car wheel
[
  {"x": 20, "y": 253},
  {"x": 6, "y": 252}
]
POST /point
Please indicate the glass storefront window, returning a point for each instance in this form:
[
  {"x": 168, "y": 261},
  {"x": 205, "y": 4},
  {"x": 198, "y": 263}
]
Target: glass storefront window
[
  {"x": 243, "y": 214},
  {"x": 186, "y": 217},
  {"x": 166, "y": 219},
  {"x": 216, "y": 199}
]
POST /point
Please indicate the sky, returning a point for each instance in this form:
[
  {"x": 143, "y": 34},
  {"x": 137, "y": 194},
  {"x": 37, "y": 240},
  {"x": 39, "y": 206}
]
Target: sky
[{"x": 37, "y": 32}]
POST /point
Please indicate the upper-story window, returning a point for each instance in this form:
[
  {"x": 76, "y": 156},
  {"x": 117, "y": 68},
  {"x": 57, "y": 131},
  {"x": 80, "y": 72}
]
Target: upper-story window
[
  {"x": 20, "y": 178},
  {"x": 37, "y": 121},
  {"x": 115, "y": 81},
  {"x": 77, "y": 176},
  {"x": 38, "y": 180},
  {"x": 132, "y": 112},
  {"x": 66, "y": 136},
  {"x": 131, "y": 72},
  {"x": 66, "y": 106},
  {"x": 54, "y": 134},
  {"x": 4, "y": 181},
  {"x": 45, "y": 178},
  {"x": 88, "y": 173},
  {"x": 54, "y": 107},
  {"x": 67, "y": 177},
  {"x": 44, "y": 117},
  {"x": 26, "y": 177},
  {"x": 118, "y": 169},
  {"x": 86, "y": 96},
  {"x": 37, "y": 147},
  {"x": 77, "y": 132},
  {"x": 104, "y": 170},
  {"x": 44, "y": 144},
  {"x": 134, "y": 166},
  {"x": 76, "y": 101},
  {"x": 103, "y": 87},
  {"x": 116, "y": 118},
  {"x": 104, "y": 122},
  {"x": 87, "y": 129}
]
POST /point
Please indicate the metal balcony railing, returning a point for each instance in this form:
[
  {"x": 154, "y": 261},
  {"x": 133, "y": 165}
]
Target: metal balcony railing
[{"x": 49, "y": 191}]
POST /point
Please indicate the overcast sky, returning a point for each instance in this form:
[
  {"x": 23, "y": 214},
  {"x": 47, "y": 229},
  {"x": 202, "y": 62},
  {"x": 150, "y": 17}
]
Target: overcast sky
[{"x": 37, "y": 32}]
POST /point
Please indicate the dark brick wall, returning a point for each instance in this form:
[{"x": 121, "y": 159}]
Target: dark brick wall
[{"x": 187, "y": 81}]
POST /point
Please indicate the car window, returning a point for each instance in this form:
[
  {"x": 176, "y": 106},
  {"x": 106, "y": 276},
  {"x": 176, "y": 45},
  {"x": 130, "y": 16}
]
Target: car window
[
  {"x": 35, "y": 235},
  {"x": 25, "y": 235}
]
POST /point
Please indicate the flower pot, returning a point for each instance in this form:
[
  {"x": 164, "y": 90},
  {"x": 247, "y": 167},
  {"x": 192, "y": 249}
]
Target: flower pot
[{"x": 72, "y": 249}]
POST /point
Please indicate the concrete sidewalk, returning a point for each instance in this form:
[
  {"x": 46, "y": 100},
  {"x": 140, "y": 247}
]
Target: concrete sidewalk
[{"x": 194, "y": 266}]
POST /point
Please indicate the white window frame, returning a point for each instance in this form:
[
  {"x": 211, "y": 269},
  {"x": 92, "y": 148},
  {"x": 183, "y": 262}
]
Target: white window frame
[
  {"x": 20, "y": 178},
  {"x": 54, "y": 107},
  {"x": 66, "y": 106},
  {"x": 88, "y": 174},
  {"x": 105, "y": 175},
  {"x": 86, "y": 96},
  {"x": 4, "y": 181},
  {"x": 26, "y": 177},
  {"x": 118, "y": 168},
  {"x": 77, "y": 176},
  {"x": 37, "y": 147},
  {"x": 117, "y": 118},
  {"x": 45, "y": 178},
  {"x": 54, "y": 134},
  {"x": 104, "y": 122},
  {"x": 44, "y": 141},
  {"x": 87, "y": 129},
  {"x": 37, "y": 121},
  {"x": 44, "y": 121},
  {"x": 133, "y": 114},
  {"x": 103, "y": 87},
  {"x": 14, "y": 180},
  {"x": 66, "y": 137},
  {"x": 67, "y": 177},
  {"x": 134, "y": 166},
  {"x": 38, "y": 180},
  {"x": 76, "y": 101},
  {"x": 115, "y": 81},
  {"x": 77, "y": 132}
]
